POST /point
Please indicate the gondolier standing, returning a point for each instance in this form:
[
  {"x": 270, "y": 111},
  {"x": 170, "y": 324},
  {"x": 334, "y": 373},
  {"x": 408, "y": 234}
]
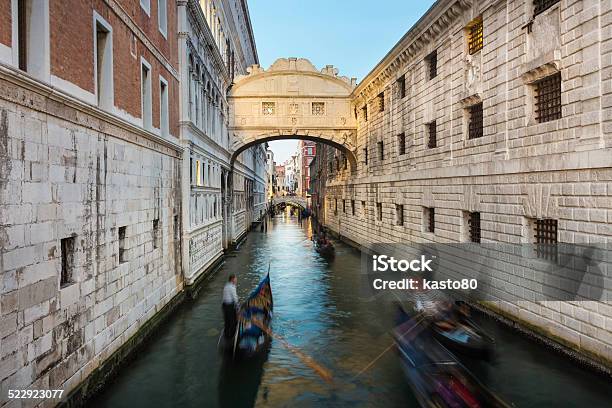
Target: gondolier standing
[{"x": 230, "y": 306}]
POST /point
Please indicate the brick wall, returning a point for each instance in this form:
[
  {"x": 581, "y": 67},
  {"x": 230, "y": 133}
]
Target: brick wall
[{"x": 5, "y": 22}]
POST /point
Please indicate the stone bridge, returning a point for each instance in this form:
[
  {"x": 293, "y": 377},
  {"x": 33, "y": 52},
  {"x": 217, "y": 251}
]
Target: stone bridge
[
  {"x": 293, "y": 100},
  {"x": 295, "y": 201}
]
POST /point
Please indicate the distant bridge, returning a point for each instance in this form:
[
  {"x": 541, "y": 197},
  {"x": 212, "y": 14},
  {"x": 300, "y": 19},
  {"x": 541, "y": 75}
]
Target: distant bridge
[{"x": 295, "y": 201}]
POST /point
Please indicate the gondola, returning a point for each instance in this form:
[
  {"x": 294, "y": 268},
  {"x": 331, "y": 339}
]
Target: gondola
[
  {"x": 254, "y": 318},
  {"x": 436, "y": 377},
  {"x": 464, "y": 337},
  {"x": 325, "y": 250}
]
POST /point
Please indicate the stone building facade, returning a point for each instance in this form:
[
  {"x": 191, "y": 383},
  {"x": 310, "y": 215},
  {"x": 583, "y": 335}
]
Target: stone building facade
[
  {"x": 106, "y": 110},
  {"x": 496, "y": 110}
]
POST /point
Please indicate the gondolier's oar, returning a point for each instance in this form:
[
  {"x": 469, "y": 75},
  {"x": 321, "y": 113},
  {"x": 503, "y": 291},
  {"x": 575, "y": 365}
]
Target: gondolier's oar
[{"x": 323, "y": 372}]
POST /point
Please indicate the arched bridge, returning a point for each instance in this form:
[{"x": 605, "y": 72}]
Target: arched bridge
[
  {"x": 293, "y": 100},
  {"x": 295, "y": 201}
]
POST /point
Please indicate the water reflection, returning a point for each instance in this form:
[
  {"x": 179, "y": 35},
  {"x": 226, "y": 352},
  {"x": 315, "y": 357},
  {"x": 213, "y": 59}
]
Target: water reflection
[{"x": 317, "y": 307}]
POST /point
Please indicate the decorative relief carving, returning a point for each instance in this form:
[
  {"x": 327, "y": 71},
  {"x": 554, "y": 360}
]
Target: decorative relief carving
[{"x": 540, "y": 202}]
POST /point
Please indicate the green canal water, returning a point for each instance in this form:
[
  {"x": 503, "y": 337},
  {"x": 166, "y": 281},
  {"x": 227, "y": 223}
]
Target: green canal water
[{"x": 317, "y": 308}]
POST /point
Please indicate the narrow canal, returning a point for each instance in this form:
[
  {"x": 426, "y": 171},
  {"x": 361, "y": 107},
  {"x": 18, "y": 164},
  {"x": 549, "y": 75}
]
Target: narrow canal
[{"x": 317, "y": 308}]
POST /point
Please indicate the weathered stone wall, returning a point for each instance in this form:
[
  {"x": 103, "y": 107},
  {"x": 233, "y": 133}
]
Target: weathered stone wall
[
  {"x": 60, "y": 178},
  {"x": 518, "y": 171}
]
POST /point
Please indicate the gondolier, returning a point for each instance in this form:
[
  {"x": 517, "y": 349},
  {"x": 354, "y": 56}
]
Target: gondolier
[{"x": 230, "y": 307}]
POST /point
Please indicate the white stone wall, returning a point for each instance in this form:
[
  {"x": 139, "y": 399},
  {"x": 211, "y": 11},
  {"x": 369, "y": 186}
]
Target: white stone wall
[
  {"x": 60, "y": 179},
  {"x": 519, "y": 170}
]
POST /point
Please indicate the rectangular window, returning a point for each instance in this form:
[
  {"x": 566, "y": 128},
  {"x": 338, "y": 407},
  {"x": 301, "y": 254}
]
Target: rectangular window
[
  {"x": 155, "y": 233},
  {"x": 545, "y": 235},
  {"x": 379, "y": 212},
  {"x": 162, "y": 16},
  {"x": 401, "y": 144},
  {"x": 335, "y": 206},
  {"x": 399, "y": 214},
  {"x": 381, "y": 102},
  {"x": 432, "y": 135},
  {"x": 429, "y": 219},
  {"x": 432, "y": 64},
  {"x": 344, "y": 161},
  {"x": 268, "y": 108},
  {"x": 365, "y": 155},
  {"x": 381, "y": 151},
  {"x": 164, "y": 123},
  {"x": 364, "y": 209},
  {"x": 401, "y": 86},
  {"x": 198, "y": 173},
  {"x": 122, "y": 248},
  {"x": 22, "y": 33},
  {"x": 104, "y": 66},
  {"x": 542, "y": 5},
  {"x": 67, "y": 273},
  {"x": 474, "y": 226},
  {"x": 352, "y": 207},
  {"x": 32, "y": 35},
  {"x": 147, "y": 104},
  {"x": 475, "y": 36},
  {"x": 318, "y": 108},
  {"x": 191, "y": 170},
  {"x": 548, "y": 98},
  {"x": 364, "y": 112},
  {"x": 475, "y": 127},
  {"x": 344, "y": 206}
]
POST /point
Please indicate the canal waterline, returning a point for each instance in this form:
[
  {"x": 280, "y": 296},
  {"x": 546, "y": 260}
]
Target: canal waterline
[{"x": 318, "y": 308}]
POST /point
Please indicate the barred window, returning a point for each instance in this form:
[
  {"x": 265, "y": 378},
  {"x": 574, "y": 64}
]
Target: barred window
[
  {"x": 399, "y": 214},
  {"x": 344, "y": 162},
  {"x": 379, "y": 211},
  {"x": 268, "y": 108},
  {"x": 335, "y": 206},
  {"x": 364, "y": 112},
  {"x": 401, "y": 144},
  {"x": 381, "y": 102},
  {"x": 548, "y": 98},
  {"x": 381, "y": 151},
  {"x": 352, "y": 207},
  {"x": 475, "y": 127},
  {"x": 429, "y": 219},
  {"x": 475, "y": 36},
  {"x": 364, "y": 209},
  {"x": 546, "y": 238},
  {"x": 432, "y": 64},
  {"x": 432, "y": 135},
  {"x": 344, "y": 206},
  {"x": 474, "y": 226},
  {"x": 401, "y": 86},
  {"x": 542, "y": 5},
  {"x": 318, "y": 108},
  {"x": 365, "y": 155}
]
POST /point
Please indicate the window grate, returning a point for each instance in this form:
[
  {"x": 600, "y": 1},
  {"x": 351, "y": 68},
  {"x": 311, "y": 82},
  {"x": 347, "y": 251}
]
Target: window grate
[
  {"x": 474, "y": 225},
  {"x": 379, "y": 214},
  {"x": 365, "y": 155},
  {"x": 68, "y": 249},
  {"x": 432, "y": 142},
  {"x": 401, "y": 86},
  {"x": 546, "y": 239},
  {"x": 401, "y": 144},
  {"x": 344, "y": 206},
  {"x": 364, "y": 112},
  {"x": 548, "y": 98},
  {"x": 381, "y": 151},
  {"x": 352, "y": 207},
  {"x": 475, "y": 38},
  {"x": 431, "y": 220},
  {"x": 432, "y": 64},
  {"x": 381, "y": 102},
  {"x": 268, "y": 108},
  {"x": 399, "y": 214},
  {"x": 318, "y": 108},
  {"x": 542, "y": 5},
  {"x": 475, "y": 128}
]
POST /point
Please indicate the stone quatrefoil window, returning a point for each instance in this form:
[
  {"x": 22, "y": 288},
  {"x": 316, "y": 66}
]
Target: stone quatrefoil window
[
  {"x": 542, "y": 5},
  {"x": 268, "y": 108},
  {"x": 548, "y": 98},
  {"x": 294, "y": 108},
  {"x": 475, "y": 36},
  {"x": 318, "y": 108}
]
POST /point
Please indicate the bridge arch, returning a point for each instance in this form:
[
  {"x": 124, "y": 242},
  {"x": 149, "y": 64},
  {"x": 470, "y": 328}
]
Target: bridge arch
[
  {"x": 293, "y": 100},
  {"x": 295, "y": 201}
]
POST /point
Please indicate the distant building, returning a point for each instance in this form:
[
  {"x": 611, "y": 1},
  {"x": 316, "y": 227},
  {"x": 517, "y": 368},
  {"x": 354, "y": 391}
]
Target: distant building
[{"x": 307, "y": 150}]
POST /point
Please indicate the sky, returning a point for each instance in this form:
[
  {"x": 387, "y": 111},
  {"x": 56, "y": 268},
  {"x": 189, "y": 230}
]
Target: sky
[{"x": 352, "y": 35}]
